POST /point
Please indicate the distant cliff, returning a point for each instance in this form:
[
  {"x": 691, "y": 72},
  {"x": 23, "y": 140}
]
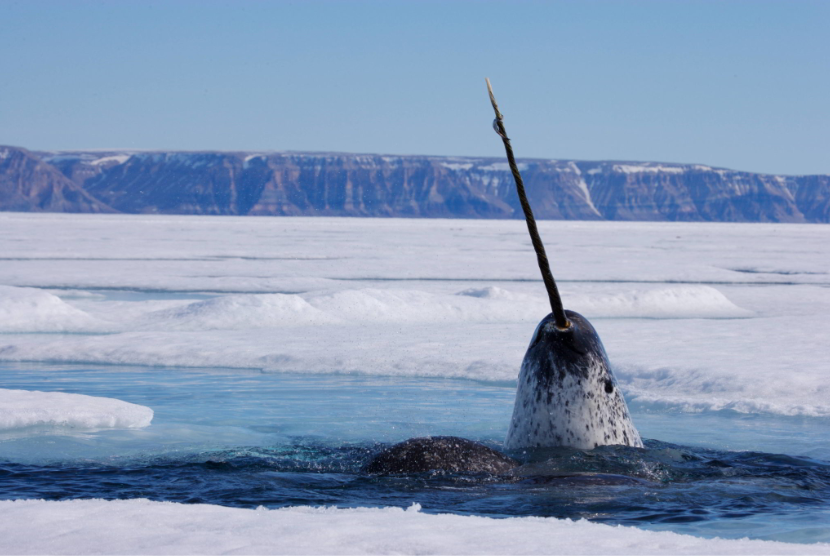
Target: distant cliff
[
  {"x": 28, "y": 184},
  {"x": 333, "y": 184}
]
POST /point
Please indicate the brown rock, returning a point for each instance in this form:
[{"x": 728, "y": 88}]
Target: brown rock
[{"x": 29, "y": 184}]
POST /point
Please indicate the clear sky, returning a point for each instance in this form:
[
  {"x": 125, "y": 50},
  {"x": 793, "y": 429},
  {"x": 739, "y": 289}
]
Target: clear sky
[{"x": 743, "y": 85}]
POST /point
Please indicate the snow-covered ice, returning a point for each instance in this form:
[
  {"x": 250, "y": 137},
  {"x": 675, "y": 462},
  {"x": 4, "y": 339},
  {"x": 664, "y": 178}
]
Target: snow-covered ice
[
  {"x": 56, "y": 410},
  {"x": 34, "y": 310},
  {"x": 145, "y": 527},
  {"x": 696, "y": 316}
]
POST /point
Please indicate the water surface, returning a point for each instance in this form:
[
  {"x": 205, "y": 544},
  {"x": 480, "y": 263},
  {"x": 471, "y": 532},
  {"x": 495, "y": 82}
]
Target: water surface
[{"x": 246, "y": 438}]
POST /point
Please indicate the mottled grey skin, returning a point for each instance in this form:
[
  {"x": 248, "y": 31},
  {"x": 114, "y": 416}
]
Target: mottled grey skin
[
  {"x": 567, "y": 395},
  {"x": 449, "y": 454}
]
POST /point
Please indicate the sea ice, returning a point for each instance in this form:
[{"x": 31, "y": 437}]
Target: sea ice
[
  {"x": 21, "y": 409},
  {"x": 34, "y": 310},
  {"x": 694, "y": 316},
  {"x": 145, "y": 527}
]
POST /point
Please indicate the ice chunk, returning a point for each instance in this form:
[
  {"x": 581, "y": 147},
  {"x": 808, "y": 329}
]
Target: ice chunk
[{"x": 23, "y": 408}]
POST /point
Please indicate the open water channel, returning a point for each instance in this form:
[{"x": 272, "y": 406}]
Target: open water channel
[{"x": 247, "y": 438}]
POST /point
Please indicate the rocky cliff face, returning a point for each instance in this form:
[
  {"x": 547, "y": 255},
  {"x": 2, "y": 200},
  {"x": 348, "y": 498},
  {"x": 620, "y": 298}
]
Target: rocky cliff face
[
  {"x": 812, "y": 196},
  {"x": 645, "y": 191},
  {"x": 29, "y": 184},
  {"x": 334, "y": 184}
]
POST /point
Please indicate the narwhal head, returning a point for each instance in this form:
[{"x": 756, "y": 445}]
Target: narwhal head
[{"x": 567, "y": 395}]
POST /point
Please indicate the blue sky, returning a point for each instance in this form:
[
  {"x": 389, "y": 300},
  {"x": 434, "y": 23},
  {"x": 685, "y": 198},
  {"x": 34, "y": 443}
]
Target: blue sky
[{"x": 743, "y": 85}]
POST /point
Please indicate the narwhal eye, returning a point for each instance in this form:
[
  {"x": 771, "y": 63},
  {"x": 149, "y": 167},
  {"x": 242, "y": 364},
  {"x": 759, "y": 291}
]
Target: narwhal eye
[{"x": 609, "y": 386}]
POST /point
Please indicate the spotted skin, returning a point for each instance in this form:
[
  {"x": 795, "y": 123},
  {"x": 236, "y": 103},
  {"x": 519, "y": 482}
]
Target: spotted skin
[
  {"x": 447, "y": 454},
  {"x": 567, "y": 395}
]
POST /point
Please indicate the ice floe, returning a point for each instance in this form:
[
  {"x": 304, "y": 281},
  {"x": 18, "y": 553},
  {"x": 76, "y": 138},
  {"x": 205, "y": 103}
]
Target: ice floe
[{"x": 21, "y": 409}]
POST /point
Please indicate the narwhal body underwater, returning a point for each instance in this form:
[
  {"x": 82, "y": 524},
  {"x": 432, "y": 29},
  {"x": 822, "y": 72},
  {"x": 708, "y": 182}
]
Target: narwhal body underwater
[{"x": 566, "y": 395}]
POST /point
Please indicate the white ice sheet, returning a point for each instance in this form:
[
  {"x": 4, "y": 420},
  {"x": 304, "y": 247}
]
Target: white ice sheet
[
  {"x": 696, "y": 316},
  {"x": 145, "y": 527}
]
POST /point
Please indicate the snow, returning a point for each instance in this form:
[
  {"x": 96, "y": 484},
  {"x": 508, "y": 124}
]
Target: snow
[
  {"x": 145, "y": 527},
  {"x": 672, "y": 302},
  {"x": 115, "y": 159},
  {"x": 456, "y": 166},
  {"x": 34, "y": 310},
  {"x": 281, "y": 332},
  {"x": 246, "y": 163},
  {"x": 501, "y": 167},
  {"x": 234, "y": 312},
  {"x": 583, "y": 186},
  {"x": 21, "y": 409},
  {"x": 631, "y": 169},
  {"x": 694, "y": 316}
]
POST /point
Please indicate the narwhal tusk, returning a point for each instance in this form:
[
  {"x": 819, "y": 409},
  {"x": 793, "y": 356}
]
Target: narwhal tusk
[{"x": 550, "y": 285}]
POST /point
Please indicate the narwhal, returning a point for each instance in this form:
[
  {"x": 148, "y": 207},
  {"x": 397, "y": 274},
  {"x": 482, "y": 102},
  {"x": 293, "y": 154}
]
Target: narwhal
[{"x": 566, "y": 396}]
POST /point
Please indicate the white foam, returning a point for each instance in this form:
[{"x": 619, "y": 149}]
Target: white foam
[{"x": 22, "y": 409}]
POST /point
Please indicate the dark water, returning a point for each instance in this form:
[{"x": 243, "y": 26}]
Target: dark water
[
  {"x": 665, "y": 485},
  {"x": 249, "y": 439}
]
